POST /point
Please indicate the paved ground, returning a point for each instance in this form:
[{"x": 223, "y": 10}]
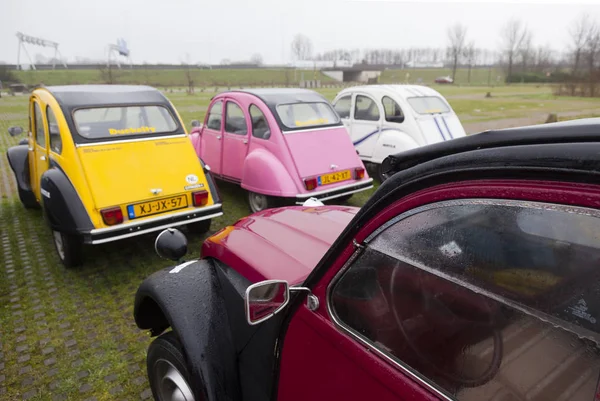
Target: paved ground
[{"x": 64, "y": 335}]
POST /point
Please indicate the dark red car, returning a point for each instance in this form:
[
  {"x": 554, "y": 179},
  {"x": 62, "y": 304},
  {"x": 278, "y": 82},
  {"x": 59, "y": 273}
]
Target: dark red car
[{"x": 473, "y": 273}]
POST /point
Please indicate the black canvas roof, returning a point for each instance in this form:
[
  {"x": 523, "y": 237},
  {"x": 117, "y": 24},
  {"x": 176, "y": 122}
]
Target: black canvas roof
[
  {"x": 274, "y": 96},
  {"x": 74, "y": 96},
  {"x": 575, "y": 131}
]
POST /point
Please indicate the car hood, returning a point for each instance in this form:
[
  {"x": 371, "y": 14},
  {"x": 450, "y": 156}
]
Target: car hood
[{"x": 284, "y": 243}]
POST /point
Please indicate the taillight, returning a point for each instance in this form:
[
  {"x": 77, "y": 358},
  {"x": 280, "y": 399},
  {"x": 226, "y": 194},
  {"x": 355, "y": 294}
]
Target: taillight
[
  {"x": 112, "y": 216},
  {"x": 200, "y": 198},
  {"x": 310, "y": 183},
  {"x": 359, "y": 173}
]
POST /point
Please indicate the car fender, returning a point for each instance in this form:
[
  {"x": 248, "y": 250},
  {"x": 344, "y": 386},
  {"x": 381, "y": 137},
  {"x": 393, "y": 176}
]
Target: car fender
[
  {"x": 63, "y": 208},
  {"x": 189, "y": 298},
  {"x": 392, "y": 141},
  {"x": 265, "y": 174},
  {"x": 195, "y": 139},
  {"x": 18, "y": 159}
]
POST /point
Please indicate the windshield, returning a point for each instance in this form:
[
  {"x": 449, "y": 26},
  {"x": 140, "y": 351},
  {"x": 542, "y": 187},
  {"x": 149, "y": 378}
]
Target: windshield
[
  {"x": 428, "y": 105},
  {"x": 122, "y": 122},
  {"x": 297, "y": 115}
]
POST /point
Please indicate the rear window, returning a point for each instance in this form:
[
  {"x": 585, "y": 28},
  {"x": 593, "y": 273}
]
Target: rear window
[
  {"x": 300, "y": 115},
  {"x": 120, "y": 122},
  {"x": 428, "y": 105}
]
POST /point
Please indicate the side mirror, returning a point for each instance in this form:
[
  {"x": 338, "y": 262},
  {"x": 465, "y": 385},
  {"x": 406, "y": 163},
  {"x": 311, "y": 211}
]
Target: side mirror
[
  {"x": 14, "y": 131},
  {"x": 171, "y": 244},
  {"x": 264, "y": 299},
  {"x": 196, "y": 124}
]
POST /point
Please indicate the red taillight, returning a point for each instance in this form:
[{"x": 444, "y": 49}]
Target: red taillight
[
  {"x": 200, "y": 198},
  {"x": 359, "y": 173},
  {"x": 310, "y": 183},
  {"x": 112, "y": 216}
]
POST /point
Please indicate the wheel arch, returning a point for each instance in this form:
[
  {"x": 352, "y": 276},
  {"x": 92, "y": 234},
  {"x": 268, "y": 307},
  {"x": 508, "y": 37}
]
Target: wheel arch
[
  {"x": 262, "y": 167},
  {"x": 392, "y": 141},
  {"x": 185, "y": 298}
]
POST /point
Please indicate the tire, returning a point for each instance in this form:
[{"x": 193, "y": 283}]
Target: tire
[
  {"x": 258, "y": 202},
  {"x": 199, "y": 227},
  {"x": 69, "y": 249},
  {"x": 168, "y": 371},
  {"x": 379, "y": 174},
  {"x": 28, "y": 199}
]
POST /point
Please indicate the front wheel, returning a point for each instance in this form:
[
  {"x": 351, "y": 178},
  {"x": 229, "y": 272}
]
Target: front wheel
[
  {"x": 68, "y": 247},
  {"x": 258, "y": 202},
  {"x": 168, "y": 373}
]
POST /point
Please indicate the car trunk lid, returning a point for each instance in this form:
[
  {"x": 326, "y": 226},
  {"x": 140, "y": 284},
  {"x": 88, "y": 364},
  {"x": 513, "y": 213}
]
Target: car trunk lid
[
  {"x": 322, "y": 151},
  {"x": 128, "y": 172}
]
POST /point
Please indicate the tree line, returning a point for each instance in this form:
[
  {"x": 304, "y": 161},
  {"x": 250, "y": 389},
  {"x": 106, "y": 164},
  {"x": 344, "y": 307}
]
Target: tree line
[{"x": 517, "y": 53}]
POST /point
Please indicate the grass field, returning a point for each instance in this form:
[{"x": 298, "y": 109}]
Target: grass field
[
  {"x": 255, "y": 77},
  {"x": 69, "y": 334}
]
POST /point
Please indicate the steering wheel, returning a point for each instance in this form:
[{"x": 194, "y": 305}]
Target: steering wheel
[{"x": 448, "y": 318}]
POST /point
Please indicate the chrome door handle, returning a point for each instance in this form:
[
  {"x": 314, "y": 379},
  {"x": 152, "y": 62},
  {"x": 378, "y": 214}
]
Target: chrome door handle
[
  {"x": 219, "y": 137},
  {"x": 245, "y": 141},
  {"x": 42, "y": 157}
]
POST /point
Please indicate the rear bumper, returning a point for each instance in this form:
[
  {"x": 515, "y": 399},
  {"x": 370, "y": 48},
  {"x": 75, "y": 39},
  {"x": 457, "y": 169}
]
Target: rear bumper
[
  {"x": 336, "y": 192},
  {"x": 133, "y": 228}
]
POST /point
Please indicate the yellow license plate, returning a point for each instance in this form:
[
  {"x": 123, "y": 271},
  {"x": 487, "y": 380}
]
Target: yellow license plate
[
  {"x": 155, "y": 207},
  {"x": 334, "y": 177}
]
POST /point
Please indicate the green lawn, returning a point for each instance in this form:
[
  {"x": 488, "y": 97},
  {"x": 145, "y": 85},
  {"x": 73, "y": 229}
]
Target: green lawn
[{"x": 71, "y": 332}]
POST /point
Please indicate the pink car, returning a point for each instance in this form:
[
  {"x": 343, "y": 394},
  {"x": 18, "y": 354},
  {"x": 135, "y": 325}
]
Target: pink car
[{"x": 283, "y": 146}]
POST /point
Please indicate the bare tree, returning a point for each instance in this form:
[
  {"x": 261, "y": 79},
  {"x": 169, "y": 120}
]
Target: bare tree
[
  {"x": 525, "y": 51},
  {"x": 592, "y": 48},
  {"x": 513, "y": 34},
  {"x": 470, "y": 54},
  {"x": 301, "y": 47},
  {"x": 189, "y": 77},
  {"x": 457, "y": 36},
  {"x": 580, "y": 32},
  {"x": 256, "y": 59}
]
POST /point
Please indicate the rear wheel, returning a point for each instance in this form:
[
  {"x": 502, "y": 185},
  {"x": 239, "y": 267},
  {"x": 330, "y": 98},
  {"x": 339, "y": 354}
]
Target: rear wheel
[
  {"x": 28, "y": 199},
  {"x": 168, "y": 373},
  {"x": 199, "y": 227},
  {"x": 343, "y": 199},
  {"x": 68, "y": 247},
  {"x": 258, "y": 202}
]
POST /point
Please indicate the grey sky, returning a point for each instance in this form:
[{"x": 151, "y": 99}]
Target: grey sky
[{"x": 164, "y": 31}]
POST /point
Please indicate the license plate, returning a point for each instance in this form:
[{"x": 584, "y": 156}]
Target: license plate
[
  {"x": 334, "y": 177},
  {"x": 157, "y": 206}
]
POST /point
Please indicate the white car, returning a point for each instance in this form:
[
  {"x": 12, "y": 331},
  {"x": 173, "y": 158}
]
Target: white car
[{"x": 389, "y": 119}]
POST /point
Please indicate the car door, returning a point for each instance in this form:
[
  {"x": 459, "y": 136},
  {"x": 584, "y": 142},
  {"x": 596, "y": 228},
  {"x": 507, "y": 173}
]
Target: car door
[
  {"x": 39, "y": 153},
  {"x": 343, "y": 107},
  {"x": 211, "y": 137},
  {"x": 365, "y": 124},
  {"x": 484, "y": 291},
  {"x": 235, "y": 141}
]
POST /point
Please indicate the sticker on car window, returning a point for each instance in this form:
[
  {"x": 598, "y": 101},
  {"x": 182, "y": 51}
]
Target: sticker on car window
[
  {"x": 140, "y": 130},
  {"x": 316, "y": 121}
]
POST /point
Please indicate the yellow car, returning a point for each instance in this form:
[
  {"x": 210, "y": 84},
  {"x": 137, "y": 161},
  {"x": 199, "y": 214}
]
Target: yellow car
[{"x": 107, "y": 162}]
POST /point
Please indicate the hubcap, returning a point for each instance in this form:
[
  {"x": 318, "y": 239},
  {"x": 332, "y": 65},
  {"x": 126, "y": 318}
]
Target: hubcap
[
  {"x": 58, "y": 241},
  {"x": 170, "y": 383},
  {"x": 257, "y": 202}
]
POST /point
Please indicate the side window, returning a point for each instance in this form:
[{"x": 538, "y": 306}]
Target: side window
[
  {"x": 342, "y": 106},
  {"x": 235, "y": 120},
  {"x": 393, "y": 112},
  {"x": 55, "y": 139},
  {"x": 40, "y": 134},
  {"x": 365, "y": 109},
  {"x": 215, "y": 115},
  {"x": 260, "y": 126},
  {"x": 482, "y": 298}
]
